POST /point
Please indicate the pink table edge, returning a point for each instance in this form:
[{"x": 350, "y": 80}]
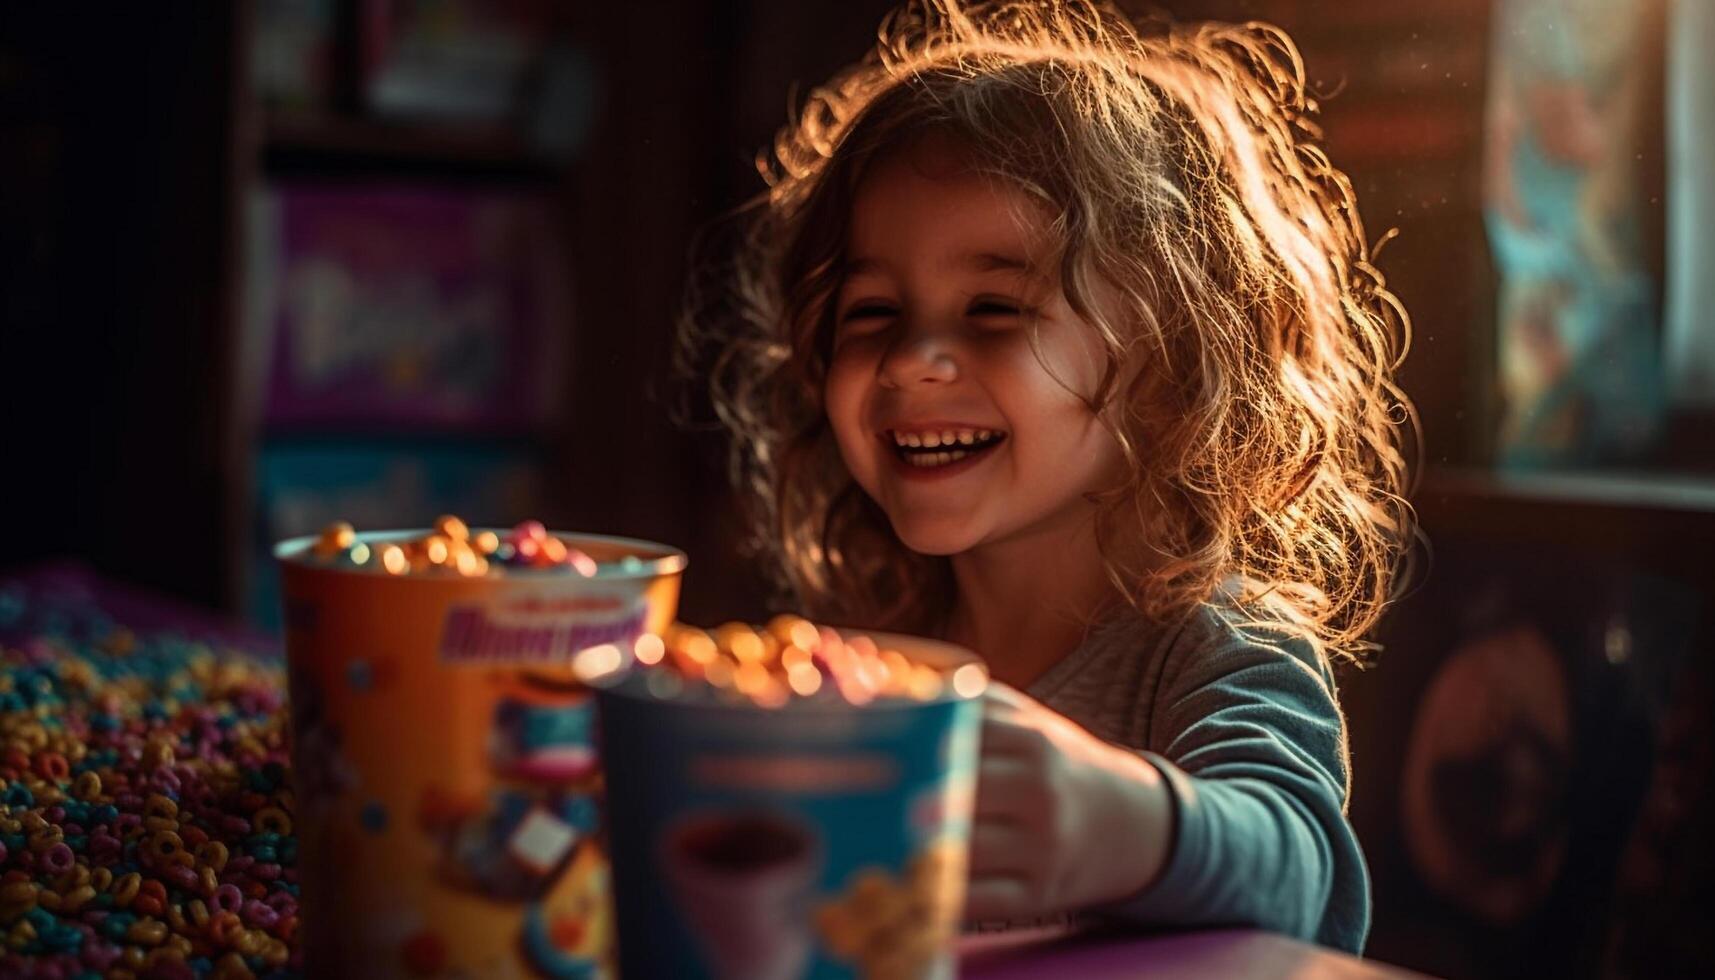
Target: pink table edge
[{"x": 1236, "y": 953}]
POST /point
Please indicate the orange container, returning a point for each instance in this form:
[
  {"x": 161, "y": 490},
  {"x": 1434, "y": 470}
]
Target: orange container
[{"x": 444, "y": 760}]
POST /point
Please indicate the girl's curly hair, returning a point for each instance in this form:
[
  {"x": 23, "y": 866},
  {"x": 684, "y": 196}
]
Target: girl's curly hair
[{"x": 1249, "y": 377}]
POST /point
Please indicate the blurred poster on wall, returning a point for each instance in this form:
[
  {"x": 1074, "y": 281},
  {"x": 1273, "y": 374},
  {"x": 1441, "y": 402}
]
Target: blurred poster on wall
[
  {"x": 1690, "y": 330},
  {"x": 291, "y": 61},
  {"x": 450, "y": 60},
  {"x": 1577, "y": 326},
  {"x": 392, "y": 308}
]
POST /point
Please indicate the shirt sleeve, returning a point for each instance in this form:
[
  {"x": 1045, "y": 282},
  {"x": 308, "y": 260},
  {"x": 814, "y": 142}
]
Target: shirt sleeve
[{"x": 1248, "y": 734}]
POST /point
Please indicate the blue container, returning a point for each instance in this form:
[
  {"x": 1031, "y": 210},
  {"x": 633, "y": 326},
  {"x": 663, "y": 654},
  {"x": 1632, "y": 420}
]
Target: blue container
[{"x": 815, "y": 840}]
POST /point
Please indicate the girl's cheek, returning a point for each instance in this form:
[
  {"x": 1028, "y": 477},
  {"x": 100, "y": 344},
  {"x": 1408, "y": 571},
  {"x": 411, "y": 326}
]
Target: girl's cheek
[
  {"x": 843, "y": 398},
  {"x": 1065, "y": 360}
]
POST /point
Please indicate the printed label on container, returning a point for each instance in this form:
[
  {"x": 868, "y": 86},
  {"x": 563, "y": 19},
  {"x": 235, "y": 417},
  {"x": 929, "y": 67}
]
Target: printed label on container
[{"x": 536, "y": 630}]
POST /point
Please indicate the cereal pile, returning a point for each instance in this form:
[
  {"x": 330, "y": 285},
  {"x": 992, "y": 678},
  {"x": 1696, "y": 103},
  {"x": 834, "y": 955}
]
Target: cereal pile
[
  {"x": 145, "y": 813},
  {"x": 451, "y": 548},
  {"x": 790, "y": 660}
]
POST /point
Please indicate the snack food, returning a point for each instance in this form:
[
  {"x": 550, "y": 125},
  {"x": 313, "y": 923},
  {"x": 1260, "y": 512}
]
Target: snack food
[
  {"x": 145, "y": 821},
  {"x": 452, "y": 548},
  {"x": 791, "y": 660},
  {"x": 447, "y": 779},
  {"x": 787, "y": 801}
]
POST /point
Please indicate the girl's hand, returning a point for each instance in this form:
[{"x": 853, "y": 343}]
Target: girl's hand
[{"x": 1063, "y": 819}]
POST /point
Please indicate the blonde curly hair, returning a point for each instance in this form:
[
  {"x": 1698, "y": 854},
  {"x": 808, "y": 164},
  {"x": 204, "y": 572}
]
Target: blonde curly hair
[{"x": 1249, "y": 379}]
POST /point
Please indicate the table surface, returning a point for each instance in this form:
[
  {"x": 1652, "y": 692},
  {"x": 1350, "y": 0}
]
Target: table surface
[{"x": 1237, "y": 954}]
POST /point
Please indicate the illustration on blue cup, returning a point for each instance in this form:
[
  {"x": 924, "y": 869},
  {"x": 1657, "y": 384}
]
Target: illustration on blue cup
[{"x": 743, "y": 879}]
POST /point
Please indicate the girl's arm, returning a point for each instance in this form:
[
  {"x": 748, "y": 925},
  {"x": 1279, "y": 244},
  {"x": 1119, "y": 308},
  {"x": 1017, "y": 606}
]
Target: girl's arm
[
  {"x": 1249, "y": 737},
  {"x": 1235, "y": 816}
]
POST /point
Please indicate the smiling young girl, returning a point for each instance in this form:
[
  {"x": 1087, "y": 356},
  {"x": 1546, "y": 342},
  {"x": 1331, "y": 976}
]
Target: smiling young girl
[{"x": 1056, "y": 335}]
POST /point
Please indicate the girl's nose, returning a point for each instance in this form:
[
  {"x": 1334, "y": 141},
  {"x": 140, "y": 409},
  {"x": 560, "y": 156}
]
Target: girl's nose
[{"x": 918, "y": 358}]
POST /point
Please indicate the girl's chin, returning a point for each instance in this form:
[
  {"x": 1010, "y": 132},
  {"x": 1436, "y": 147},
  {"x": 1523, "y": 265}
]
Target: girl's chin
[{"x": 925, "y": 538}]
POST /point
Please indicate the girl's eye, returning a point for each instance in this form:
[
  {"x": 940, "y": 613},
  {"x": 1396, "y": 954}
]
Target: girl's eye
[
  {"x": 993, "y": 308},
  {"x": 866, "y": 314},
  {"x": 865, "y": 311}
]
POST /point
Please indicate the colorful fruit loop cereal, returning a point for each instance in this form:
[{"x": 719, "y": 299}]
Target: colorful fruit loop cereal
[
  {"x": 453, "y": 548},
  {"x": 145, "y": 816},
  {"x": 788, "y": 660}
]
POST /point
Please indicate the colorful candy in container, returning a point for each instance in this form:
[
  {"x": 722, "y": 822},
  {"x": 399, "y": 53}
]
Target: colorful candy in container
[
  {"x": 446, "y": 772},
  {"x": 787, "y": 802}
]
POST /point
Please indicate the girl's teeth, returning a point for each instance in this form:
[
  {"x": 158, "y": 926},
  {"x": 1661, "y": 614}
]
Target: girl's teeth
[
  {"x": 937, "y": 459},
  {"x": 949, "y": 438}
]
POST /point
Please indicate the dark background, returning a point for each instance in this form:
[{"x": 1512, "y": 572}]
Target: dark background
[{"x": 132, "y": 142}]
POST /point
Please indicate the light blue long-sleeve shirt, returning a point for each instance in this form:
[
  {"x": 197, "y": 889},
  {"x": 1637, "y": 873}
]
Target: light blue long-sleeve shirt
[{"x": 1247, "y": 730}]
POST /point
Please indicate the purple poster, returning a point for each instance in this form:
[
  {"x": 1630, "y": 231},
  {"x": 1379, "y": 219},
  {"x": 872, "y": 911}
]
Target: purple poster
[{"x": 409, "y": 309}]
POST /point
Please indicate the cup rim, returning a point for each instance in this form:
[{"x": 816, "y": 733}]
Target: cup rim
[
  {"x": 941, "y": 653},
  {"x": 668, "y": 561}
]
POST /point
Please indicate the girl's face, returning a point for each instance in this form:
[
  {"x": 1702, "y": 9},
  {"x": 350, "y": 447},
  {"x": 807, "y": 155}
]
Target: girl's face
[{"x": 945, "y": 413}]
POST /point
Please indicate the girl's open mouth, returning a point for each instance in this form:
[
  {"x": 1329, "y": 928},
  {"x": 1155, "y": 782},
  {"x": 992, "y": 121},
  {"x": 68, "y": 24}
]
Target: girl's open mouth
[{"x": 934, "y": 450}]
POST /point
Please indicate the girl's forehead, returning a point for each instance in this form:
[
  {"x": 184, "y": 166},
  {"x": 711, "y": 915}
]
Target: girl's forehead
[
  {"x": 932, "y": 155},
  {"x": 929, "y": 197}
]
